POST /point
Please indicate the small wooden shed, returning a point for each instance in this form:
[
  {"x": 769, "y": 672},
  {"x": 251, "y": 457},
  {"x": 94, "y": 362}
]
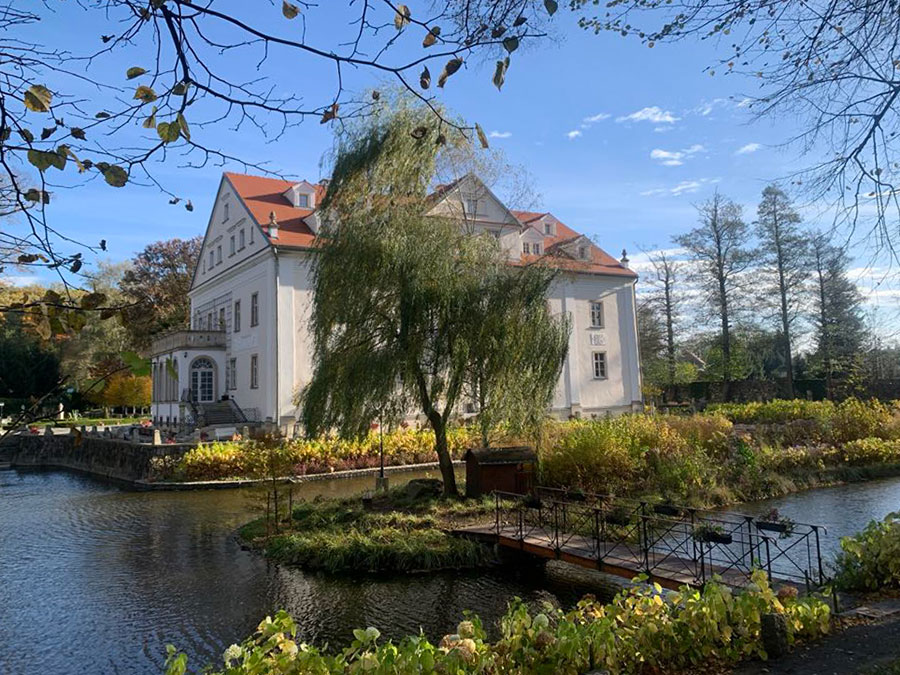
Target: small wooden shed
[{"x": 509, "y": 469}]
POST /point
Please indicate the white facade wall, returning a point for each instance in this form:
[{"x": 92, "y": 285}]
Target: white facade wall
[
  {"x": 280, "y": 278},
  {"x": 579, "y": 392}
]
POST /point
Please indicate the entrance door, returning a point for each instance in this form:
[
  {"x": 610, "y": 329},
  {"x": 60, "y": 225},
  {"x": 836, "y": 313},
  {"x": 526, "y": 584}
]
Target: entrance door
[{"x": 203, "y": 373}]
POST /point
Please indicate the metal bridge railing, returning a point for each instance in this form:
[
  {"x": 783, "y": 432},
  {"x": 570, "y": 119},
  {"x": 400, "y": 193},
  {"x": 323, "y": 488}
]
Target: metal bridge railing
[{"x": 663, "y": 540}]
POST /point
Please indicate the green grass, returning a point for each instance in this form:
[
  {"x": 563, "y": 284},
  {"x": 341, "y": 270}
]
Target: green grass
[{"x": 396, "y": 534}]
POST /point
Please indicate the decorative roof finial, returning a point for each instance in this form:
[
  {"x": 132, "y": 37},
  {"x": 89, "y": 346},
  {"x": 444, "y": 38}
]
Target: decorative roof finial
[
  {"x": 273, "y": 225},
  {"x": 624, "y": 257}
]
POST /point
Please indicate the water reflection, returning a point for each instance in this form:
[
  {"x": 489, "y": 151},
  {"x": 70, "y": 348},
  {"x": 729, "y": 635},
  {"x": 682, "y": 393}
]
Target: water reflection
[
  {"x": 843, "y": 509},
  {"x": 97, "y": 579}
]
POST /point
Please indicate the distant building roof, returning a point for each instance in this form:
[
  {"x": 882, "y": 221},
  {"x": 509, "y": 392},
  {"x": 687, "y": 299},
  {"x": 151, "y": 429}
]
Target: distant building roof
[{"x": 263, "y": 196}]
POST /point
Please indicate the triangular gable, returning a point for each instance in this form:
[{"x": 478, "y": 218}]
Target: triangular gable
[{"x": 451, "y": 201}]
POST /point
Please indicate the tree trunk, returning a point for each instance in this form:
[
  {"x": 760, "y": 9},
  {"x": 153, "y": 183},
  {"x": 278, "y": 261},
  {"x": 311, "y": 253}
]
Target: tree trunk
[
  {"x": 824, "y": 345},
  {"x": 443, "y": 452},
  {"x": 726, "y": 340},
  {"x": 670, "y": 332},
  {"x": 785, "y": 318}
]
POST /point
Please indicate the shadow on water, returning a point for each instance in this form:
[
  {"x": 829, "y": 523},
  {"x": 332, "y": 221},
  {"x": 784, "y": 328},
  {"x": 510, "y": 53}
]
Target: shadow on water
[{"x": 94, "y": 578}]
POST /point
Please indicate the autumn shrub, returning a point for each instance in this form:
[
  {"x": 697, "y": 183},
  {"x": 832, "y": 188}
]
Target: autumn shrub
[
  {"x": 870, "y": 560},
  {"x": 217, "y": 461},
  {"x": 854, "y": 419},
  {"x": 778, "y": 411},
  {"x": 640, "y": 631}
]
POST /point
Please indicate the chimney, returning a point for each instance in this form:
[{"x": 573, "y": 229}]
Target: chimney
[
  {"x": 273, "y": 226},
  {"x": 624, "y": 260}
]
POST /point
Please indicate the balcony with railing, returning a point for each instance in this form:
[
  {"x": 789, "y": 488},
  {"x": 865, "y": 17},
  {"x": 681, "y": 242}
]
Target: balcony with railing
[{"x": 188, "y": 339}]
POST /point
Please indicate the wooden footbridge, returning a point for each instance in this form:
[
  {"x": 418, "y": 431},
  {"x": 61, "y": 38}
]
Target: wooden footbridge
[{"x": 672, "y": 545}]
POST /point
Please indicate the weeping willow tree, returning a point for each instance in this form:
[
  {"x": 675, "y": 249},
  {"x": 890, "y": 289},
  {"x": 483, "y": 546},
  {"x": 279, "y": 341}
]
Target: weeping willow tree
[{"x": 407, "y": 305}]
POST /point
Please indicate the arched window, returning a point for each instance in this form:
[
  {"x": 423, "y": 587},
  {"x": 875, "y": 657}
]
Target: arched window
[{"x": 203, "y": 373}]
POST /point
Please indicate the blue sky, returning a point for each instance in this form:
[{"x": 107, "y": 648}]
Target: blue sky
[{"x": 621, "y": 140}]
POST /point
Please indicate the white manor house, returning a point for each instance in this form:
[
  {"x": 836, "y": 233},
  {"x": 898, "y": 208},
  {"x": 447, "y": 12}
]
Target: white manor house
[{"x": 248, "y": 350}]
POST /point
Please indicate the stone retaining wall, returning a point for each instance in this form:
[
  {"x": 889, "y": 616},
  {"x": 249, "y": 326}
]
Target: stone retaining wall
[{"x": 110, "y": 458}]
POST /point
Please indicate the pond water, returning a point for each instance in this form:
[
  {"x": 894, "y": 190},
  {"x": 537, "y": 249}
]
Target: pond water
[
  {"x": 94, "y": 578},
  {"x": 843, "y": 509}
]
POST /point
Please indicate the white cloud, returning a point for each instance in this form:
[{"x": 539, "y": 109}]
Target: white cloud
[
  {"x": 682, "y": 188},
  {"x": 667, "y": 158},
  {"x": 599, "y": 117},
  {"x": 500, "y": 134},
  {"x": 746, "y": 149},
  {"x": 575, "y": 133},
  {"x": 653, "y": 114},
  {"x": 19, "y": 280},
  {"x": 675, "y": 157}
]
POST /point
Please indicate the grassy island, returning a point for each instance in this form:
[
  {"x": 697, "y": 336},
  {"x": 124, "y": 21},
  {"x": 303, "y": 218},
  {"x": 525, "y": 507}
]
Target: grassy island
[{"x": 395, "y": 532}]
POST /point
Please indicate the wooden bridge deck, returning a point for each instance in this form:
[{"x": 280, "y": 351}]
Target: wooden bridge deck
[{"x": 667, "y": 569}]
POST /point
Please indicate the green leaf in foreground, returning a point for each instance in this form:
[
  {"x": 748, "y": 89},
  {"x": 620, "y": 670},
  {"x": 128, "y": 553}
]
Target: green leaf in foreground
[{"x": 115, "y": 175}]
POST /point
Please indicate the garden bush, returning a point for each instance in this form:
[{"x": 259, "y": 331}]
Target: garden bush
[
  {"x": 637, "y": 454},
  {"x": 216, "y": 461},
  {"x": 799, "y": 420},
  {"x": 870, "y": 560},
  {"x": 640, "y": 631}
]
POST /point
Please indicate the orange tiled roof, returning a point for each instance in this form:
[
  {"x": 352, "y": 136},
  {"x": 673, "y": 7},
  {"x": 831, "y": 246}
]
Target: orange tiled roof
[
  {"x": 262, "y": 196},
  {"x": 600, "y": 263}
]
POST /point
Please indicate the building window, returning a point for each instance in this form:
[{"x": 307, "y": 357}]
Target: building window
[
  {"x": 209, "y": 324},
  {"x": 548, "y": 228},
  {"x": 254, "y": 309},
  {"x": 599, "y": 362},
  {"x": 204, "y": 267},
  {"x": 197, "y": 324},
  {"x": 526, "y": 248},
  {"x": 472, "y": 206},
  {"x": 303, "y": 201},
  {"x": 536, "y": 249},
  {"x": 596, "y": 315},
  {"x": 237, "y": 316},
  {"x": 221, "y": 318},
  {"x": 218, "y": 254},
  {"x": 254, "y": 371},
  {"x": 231, "y": 247},
  {"x": 212, "y": 258},
  {"x": 232, "y": 374},
  {"x": 583, "y": 252},
  {"x": 225, "y": 213},
  {"x": 252, "y": 233},
  {"x": 241, "y": 241}
]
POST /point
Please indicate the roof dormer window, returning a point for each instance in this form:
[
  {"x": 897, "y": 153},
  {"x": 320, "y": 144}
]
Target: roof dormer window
[
  {"x": 303, "y": 201},
  {"x": 548, "y": 229},
  {"x": 583, "y": 252}
]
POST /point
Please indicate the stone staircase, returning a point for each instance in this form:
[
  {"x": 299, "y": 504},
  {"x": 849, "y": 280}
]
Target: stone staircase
[{"x": 220, "y": 413}]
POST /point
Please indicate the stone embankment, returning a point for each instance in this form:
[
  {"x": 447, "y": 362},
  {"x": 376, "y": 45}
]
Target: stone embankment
[{"x": 111, "y": 458}]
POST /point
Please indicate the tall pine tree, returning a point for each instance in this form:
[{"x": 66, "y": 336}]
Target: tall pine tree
[
  {"x": 784, "y": 267},
  {"x": 840, "y": 328}
]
